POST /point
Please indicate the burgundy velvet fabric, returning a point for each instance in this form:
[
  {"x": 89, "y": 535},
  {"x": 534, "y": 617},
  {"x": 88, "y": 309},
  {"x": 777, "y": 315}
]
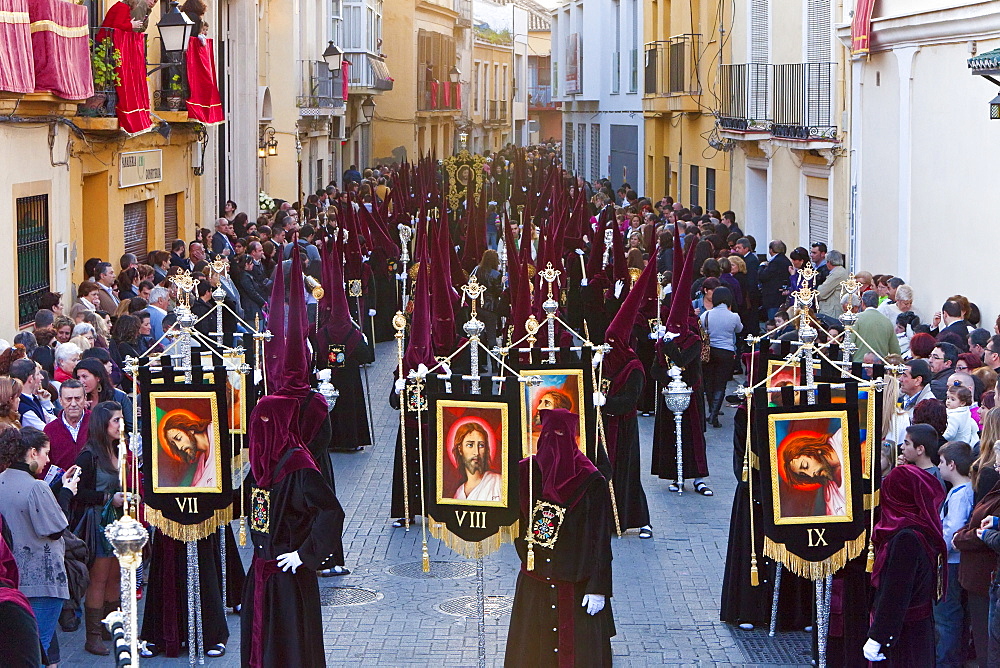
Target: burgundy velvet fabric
[
  {"x": 619, "y": 332},
  {"x": 564, "y": 468},
  {"x": 10, "y": 579},
  {"x": 910, "y": 498},
  {"x": 270, "y": 437}
]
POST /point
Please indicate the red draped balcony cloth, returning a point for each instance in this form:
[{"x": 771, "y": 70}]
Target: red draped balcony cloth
[
  {"x": 17, "y": 69},
  {"x": 59, "y": 39},
  {"x": 203, "y": 103}
]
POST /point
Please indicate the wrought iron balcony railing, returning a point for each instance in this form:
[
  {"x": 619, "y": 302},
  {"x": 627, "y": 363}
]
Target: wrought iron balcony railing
[{"x": 671, "y": 66}]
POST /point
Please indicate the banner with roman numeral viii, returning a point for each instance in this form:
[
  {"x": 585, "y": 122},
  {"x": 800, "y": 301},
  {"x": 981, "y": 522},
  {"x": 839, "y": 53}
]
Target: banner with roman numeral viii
[{"x": 472, "y": 487}]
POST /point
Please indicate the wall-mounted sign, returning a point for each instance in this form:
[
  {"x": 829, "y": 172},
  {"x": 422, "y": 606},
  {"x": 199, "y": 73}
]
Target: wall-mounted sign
[{"x": 138, "y": 167}]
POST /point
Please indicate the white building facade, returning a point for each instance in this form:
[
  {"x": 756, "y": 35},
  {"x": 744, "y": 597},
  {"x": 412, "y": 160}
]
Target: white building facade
[
  {"x": 596, "y": 61},
  {"x": 924, "y": 150}
]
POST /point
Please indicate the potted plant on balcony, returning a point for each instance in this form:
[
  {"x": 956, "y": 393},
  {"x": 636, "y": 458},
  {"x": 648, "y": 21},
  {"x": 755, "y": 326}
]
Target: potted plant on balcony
[
  {"x": 105, "y": 64},
  {"x": 174, "y": 90}
]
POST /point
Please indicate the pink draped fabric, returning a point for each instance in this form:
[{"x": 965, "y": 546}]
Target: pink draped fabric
[
  {"x": 345, "y": 69},
  {"x": 434, "y": 95},
  {"x": 59, "y": 39},
  {"x": 204, "y": 103},
  {"x": 17, "y": 69}
]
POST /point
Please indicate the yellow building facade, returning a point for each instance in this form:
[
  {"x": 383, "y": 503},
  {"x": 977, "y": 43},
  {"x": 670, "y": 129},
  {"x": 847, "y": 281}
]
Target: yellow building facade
[
  {"x": 424, "y": 39},
  {"x": 490, "y": 99},
  {"x": 683, "y": 156}
]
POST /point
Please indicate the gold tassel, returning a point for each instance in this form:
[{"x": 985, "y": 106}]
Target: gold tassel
[
  {"x": 871, "y": 558},
  {"x": 531, "y": 557},
  {"x": 189, "y": 532},
  {"x": 746, "y": 471},
  {"x": 426, "y": 560},
  {"x": 814, "y": 570},
  {"x": 754, "y": 575},
  {"x": 243, "y": 532}
]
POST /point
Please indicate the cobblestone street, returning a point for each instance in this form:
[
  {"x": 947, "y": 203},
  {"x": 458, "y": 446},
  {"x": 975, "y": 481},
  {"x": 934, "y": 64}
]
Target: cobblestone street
[{"x": 666, "y": 590}]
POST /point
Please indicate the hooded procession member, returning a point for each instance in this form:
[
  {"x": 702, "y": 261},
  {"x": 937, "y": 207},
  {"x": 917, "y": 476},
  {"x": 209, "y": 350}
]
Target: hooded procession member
[
  {"x": 909, "y": 552},
  {"x": 316, "y": 424},
  {"x": 568, "y": 506},
  {"x": 684, "y": 350},
  {"x": 419, "y": 352},
  {"x": 342, "y": 348},
  {"x": 295, "y": 522},
  {"x": 622, "y": 386}
]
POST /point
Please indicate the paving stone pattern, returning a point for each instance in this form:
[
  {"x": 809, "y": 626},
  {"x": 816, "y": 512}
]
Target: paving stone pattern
[{"x": 666, "y": 590}]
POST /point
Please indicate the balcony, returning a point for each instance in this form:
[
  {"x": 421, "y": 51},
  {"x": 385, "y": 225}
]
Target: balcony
[
  {"x": 540, "y": 98},
  {"x": 464, "y": 9},
  {"x": 671, "y": 67},
  {"x": 803, "y": 102},
  {"x": 496, "y": 111},
  {"x": 367, "y": 73},
  {"x": 320, "y": 95},
  {"x": 788, "y": 102},
  {"x": 746, "y": 103},
  {"x": 439, "y": 96}
]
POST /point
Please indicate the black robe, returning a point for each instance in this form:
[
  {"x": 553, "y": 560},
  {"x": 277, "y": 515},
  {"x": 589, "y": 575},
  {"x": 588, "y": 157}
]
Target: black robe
[
  {"x": 692, "y": 424},
  {"x": 743, "y": 603},
  {"x": 580, "y": 562},
  {"x": 633, "y": 510},
  {"x": 902, "y": 615},
  {"x": 164, "y": 620},
  {"x": 412, "y": 454},
  {"x": 303, "y": 515},
  {"x": 349, "y": 417},
  {"x": 645, "y": 350}
]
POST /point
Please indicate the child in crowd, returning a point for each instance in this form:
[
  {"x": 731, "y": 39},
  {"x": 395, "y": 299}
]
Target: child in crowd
[
  {"x": 920, "y": 448},
  {"x": 950, "y": 611},
  {"x": 961, "y": 425}
]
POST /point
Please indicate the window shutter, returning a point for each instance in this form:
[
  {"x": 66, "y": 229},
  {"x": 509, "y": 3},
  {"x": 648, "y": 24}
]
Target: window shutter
[
  {"x": 819, "y": 226},
  {"x": 136, "y": 241},
  {"x": 170, "y": 219}
]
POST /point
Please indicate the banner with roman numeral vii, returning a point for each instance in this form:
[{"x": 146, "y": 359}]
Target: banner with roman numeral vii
[
  {"x": 812, "y": 490},
  {"x": 186, "y": 453},
  {"x": 472, "y": 486}
]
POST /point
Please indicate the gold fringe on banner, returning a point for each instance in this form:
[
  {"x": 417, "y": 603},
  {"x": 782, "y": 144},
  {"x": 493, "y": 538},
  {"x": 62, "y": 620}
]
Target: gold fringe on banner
[
  {"x": 814, "y": 570},
  {"x": 868, "y": 499},
  {"x": 189, "y": 532},
  {"x": 473, "y": 550}
]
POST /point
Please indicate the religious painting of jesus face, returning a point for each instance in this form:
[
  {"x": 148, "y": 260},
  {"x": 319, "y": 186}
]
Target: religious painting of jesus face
[
  {"x": 472, "y": 446},
  {"x": 186, "y": 455},
  {"x": 810, "y": 467},
  {"x": 560, "y": 388}
]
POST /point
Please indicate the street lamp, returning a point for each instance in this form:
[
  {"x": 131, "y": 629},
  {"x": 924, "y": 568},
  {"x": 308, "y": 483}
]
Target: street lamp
[
  {"x": 454, "y": 74},
  {"x": 334, "y": 56},
  {"x": 368, "y": 109},
  {"x": 995, "y": 108},
  {"x": 175, "y": 29},
  {"x": 267, "y": 145}
]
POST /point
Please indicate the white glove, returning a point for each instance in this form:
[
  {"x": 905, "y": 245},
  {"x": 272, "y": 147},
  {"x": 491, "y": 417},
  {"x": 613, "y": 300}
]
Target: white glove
[
  {"x": 289, "y": 561},
  {"x": 583, "y": 282},
  {"x": 872, "y": 651},
  {"x": 619, "y": 286},
  {"x": 596, "y": 359},
  {"x": 579, "y": 251},
  {"x": 594, "y": 603},
  {"x": 400, "y": 277},
  {"x": 371, "y": 313},
  {"x": 599, "y": 400},
  {"x": 400, "y": 385}
]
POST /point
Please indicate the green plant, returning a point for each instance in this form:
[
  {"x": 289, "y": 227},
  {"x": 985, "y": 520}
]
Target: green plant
[
  {"x": 106, "y": 62},
  {"x": 175, "y": 83}
]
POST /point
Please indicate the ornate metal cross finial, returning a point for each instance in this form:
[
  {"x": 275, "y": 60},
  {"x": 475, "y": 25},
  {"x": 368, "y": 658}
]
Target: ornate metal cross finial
[
  {"x": 219, "y": 265},
  {"x": 473, "y": 290},
  {"x": 851, "y": 285},
  {"x": 550, "y": 274}
]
